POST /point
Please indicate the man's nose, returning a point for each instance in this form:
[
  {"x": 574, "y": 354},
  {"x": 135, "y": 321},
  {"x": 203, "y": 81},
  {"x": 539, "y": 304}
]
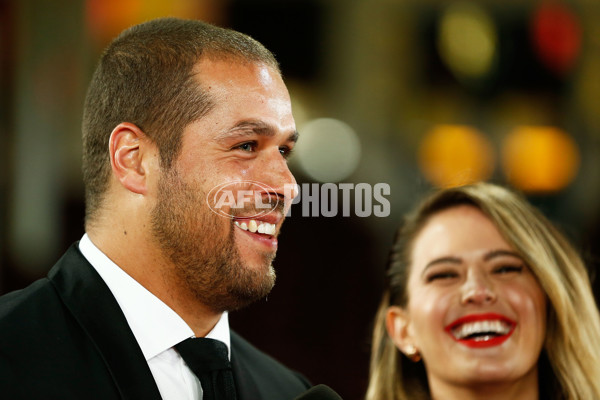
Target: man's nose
[
  {"x": 275, "y": 173},
  {"x": 477, "y": 289}
]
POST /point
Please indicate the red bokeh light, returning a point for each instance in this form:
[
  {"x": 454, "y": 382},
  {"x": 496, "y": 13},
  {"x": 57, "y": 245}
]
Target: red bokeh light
[{"x": 556, "y": 32}]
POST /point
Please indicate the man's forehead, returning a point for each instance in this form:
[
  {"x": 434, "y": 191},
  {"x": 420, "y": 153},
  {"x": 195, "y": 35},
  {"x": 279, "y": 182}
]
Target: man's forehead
[
  {"x": 228, "y": 70},
  {"x": 248, "y": 97},
  {"x": 250, "y": 84}
]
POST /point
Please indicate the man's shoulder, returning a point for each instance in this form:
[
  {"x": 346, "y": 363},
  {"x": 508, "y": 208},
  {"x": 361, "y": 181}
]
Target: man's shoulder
[
  {"x": 49, "y": 348},
  {"x": 33, "y": 301},
  {"x": 34, "y": 320},
  {"x": 39, "y": 307},
  {"x": 38, "y": 301}
]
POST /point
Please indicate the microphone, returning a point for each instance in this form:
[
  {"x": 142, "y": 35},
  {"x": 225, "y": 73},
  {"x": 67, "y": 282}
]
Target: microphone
[{"x": 319, "y": 392}]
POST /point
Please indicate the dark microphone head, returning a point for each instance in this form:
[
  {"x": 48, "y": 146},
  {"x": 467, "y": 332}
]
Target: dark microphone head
[{"x": 319, "y": 392}]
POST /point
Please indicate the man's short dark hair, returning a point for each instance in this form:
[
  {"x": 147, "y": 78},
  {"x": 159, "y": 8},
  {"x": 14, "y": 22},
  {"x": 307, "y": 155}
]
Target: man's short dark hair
[{"x": 145, "y": 77}]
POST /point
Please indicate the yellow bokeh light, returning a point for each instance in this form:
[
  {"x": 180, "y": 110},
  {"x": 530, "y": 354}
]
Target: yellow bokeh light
[
  {"x": 467, "y": 40},
  {"x": 540, "y": 158},
  {"x": 107, "y": 18},
  {"x": 454, "y": 155}
]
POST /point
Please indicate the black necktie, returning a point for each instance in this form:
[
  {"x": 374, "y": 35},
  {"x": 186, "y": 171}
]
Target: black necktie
[{"x": 207, "y": 358}]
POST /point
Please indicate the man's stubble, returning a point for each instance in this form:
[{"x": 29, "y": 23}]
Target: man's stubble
[{"x": 203, "y": 254}]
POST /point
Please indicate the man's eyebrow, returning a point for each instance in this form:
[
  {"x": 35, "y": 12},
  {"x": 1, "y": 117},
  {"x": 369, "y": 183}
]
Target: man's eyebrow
[
  {"x": 293, "y": 137},
  {"x": 500, "y": 253},
  {"x": 253, "y": 127},
  {"x": 442, "y": 260}
]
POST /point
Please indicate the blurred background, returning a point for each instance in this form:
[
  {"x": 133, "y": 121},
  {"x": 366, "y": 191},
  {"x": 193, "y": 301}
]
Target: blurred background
[{"x": 417, "y": 94}]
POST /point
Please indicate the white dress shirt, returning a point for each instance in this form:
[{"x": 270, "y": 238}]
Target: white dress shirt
[{"x": 156, "y": 327}]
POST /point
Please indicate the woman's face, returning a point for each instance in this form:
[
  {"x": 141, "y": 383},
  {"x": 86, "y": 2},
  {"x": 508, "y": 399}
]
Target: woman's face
[{"x": 475, "y": 312}]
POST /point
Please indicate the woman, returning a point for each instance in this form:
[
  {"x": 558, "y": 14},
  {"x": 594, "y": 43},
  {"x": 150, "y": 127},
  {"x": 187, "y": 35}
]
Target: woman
[{"x": 484, "y": 299}]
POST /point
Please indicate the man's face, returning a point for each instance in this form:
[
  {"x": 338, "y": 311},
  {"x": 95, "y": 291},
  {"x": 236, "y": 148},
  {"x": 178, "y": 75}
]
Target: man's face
[{"x": 245, "y": 138}]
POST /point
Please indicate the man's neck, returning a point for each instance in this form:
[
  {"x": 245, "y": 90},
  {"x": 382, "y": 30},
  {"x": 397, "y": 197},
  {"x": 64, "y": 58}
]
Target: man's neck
[{"x": 147, "y": 265}]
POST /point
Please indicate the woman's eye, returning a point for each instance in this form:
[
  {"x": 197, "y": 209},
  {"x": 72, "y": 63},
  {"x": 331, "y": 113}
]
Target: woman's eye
[
  {"x": 507, "y": 269},
  {"x": 442, "y": 276}
]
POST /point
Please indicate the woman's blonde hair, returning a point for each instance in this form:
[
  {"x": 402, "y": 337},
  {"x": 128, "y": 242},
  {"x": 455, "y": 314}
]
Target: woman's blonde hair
[{"x": 569, "y": 366}]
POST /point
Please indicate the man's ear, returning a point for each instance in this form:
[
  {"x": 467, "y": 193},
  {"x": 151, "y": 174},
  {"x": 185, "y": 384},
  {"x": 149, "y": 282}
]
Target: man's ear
[
  {"x": 129, "y": 157},
  {"x": 398, "y": 326}
]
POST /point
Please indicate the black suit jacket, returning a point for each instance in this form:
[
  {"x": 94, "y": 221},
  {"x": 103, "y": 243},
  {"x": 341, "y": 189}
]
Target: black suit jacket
[{"x": 65, "y": 337}]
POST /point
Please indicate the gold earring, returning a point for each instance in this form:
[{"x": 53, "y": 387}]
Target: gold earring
[{"x": 413, "y": 353}]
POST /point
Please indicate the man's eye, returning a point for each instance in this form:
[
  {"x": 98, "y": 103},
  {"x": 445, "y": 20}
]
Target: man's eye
[
  {"x": 248, "y": 146},
  {"x": 285, "y": 151}
]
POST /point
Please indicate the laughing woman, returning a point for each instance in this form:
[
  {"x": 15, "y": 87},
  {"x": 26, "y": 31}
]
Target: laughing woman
[{"x": 484, "y": 299}]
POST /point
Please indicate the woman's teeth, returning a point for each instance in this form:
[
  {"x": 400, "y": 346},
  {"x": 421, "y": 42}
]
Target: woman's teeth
[
  {"x": 257, "y": 226},
  {"x": 481, "y": 328}
]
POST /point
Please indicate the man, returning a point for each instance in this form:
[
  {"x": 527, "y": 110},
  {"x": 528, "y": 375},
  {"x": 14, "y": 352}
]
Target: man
[{"x": 175, "y": 109}]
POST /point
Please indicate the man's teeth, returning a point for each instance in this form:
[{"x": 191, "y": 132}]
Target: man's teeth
[
  {"x": 257, "y": 226},
  {"x": 484, "y": 328},
  {"x": 252, "y": 227}
]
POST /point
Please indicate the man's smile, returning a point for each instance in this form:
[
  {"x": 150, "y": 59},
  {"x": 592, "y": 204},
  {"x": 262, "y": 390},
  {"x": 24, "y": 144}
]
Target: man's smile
[{"x": 254, "y": 226}]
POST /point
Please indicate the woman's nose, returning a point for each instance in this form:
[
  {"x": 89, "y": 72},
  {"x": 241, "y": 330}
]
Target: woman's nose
[{"x": 477, "y": 289}]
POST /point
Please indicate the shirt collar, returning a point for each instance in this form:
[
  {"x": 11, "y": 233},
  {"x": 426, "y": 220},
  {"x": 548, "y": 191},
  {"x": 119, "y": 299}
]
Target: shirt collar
[{"x": 155, "y": 325}]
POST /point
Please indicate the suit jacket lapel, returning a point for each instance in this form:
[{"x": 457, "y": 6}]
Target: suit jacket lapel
[
  {"x": 245, "y": 383},
  {"x": 258, "y": 376},
  {"x": 91, "y": 302}
]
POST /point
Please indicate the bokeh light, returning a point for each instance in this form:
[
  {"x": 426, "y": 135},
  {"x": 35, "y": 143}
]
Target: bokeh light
[
  {"x": 328, "y": 150},
  {"x": 587, "y": 90},
  {"x": 539, "y": 158},
  {"x": 556, "y": 35},
  {"x": 107, "y": 18},
  {"x": 454, "y": 155},
  {"x": 467, "y": 40}
]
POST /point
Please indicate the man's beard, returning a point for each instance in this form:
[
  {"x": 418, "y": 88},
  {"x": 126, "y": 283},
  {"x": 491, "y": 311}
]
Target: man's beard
[{"x": 205, "y": 261}]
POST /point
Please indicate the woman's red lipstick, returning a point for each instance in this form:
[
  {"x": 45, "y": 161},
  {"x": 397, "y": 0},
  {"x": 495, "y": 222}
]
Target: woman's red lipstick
[{"x": 481, "y": 330}]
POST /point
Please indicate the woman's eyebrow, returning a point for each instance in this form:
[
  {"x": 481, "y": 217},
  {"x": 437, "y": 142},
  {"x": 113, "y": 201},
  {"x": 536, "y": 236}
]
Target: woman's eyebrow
[
  {"x": 500, "y": 253},
  {"x": 442, "y": 260}
]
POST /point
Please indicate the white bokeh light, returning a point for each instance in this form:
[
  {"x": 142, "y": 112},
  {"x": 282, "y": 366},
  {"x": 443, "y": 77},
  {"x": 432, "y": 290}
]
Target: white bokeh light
[{"x": 328, "y": 150}]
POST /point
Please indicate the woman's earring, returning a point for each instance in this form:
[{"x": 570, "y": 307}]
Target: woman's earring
[{"x": 412, "y": 353}]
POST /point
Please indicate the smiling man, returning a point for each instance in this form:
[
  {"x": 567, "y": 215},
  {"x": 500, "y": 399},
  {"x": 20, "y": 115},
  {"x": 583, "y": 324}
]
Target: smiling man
[{"x": 175, "y": 109}]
